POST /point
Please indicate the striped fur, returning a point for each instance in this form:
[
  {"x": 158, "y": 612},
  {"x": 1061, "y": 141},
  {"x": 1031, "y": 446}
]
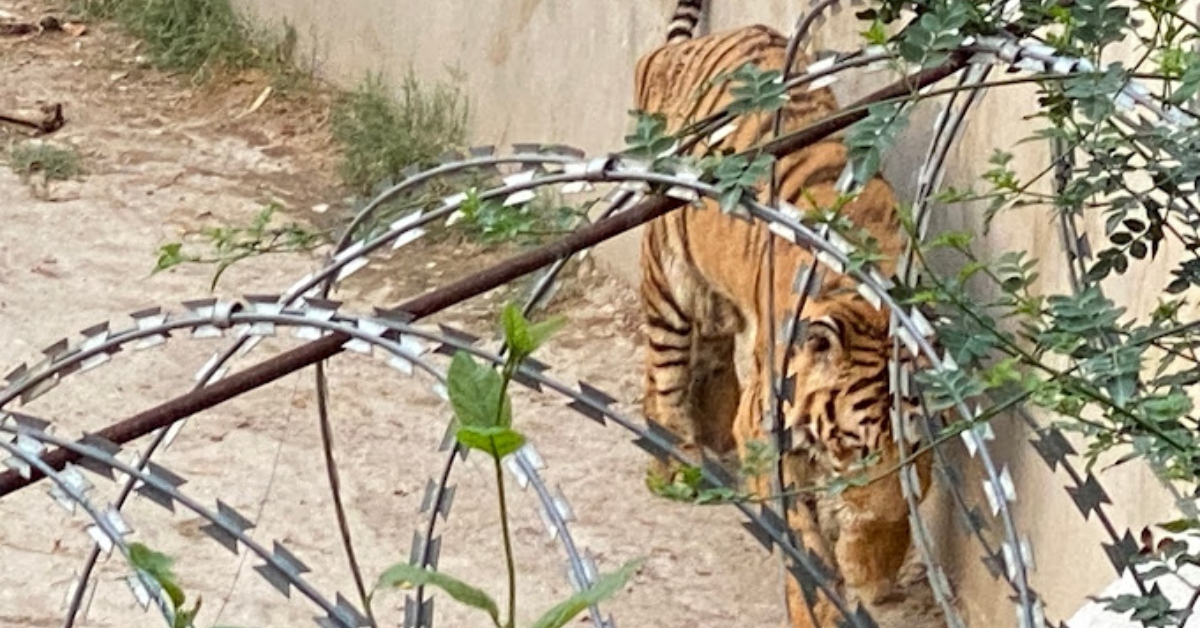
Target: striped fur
[
  {"x": 704, "y": 298},
  {"x": 684, "y": 21}
]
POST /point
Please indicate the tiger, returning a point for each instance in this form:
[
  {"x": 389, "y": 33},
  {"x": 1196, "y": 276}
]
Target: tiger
[{"x": 707, "y": 320}]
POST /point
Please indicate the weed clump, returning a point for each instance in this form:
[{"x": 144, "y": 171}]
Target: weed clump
[
  {"x": 382, "y": 134},
  {"x": 52, "y": 161},
  {"x": 196, "y": 36}
]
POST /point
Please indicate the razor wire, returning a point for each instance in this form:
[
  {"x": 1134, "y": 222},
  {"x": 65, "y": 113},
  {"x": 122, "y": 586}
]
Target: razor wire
[
  {"x": 261, "y": 321},
  {"x": 1056, "y": 67},
  {"x": 829, "y": 253},
  {"x": 946, "y": 130},
  {"x": 481, "y": 157},
  {"x": 1087, "y": 493},
  {"x": 418, "y": 612},
  {"x": 771, "y": 421},
  {"x": 365, "y": 333},
  {"x": 160, "y": 485},
  {"x": 32, "y": 380},
  {"x": 70, "y": 488},
  {"x": 997, "y": 482},
  {"x": 404, "y": 230}
]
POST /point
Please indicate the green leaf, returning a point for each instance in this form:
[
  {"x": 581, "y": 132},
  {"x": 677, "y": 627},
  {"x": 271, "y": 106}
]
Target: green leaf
[
  {"x": 185, "y": 618},
  {"x": 1189, "y": 84},
  {"x": 756, "y": 90},
  {"x": 605, "y": 587},
  {"x": 406, "y": 576},
  {"x": 158, "y": 566},
  {"x": 876, "y": 34},
  {"x": 649, "y": 138},
  {"x": 477, "y": 394},
  {"x": 1180, "y": 525},
  {"x": 730, "y": 199},
  {"x": 541, "y": 332},
  {"x": 498, "y": 442},
  {"x": 868, "y": 138},
  {"x": 169, "y": 256},
  {"x": 524, "y": 338}
]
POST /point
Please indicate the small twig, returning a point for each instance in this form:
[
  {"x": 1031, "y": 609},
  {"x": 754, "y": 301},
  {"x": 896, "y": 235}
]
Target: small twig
[{"x": 51, "y": 121}]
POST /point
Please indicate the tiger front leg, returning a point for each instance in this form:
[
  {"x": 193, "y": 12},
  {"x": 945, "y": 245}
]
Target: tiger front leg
[
  {"x": 874, "y": 531},
  {"x": 801, "y": 516}
]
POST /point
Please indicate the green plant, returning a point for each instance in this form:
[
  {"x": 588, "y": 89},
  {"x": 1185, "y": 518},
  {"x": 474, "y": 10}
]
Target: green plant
[
  {"x": 381, "y": 135},
  {"x": 483, "y": 421},
  {"x": 158, "y": 567},
  {"x": 52, "y": 161},
  {"x": 492, "y": 222},
  {"x": 197, "y": 36},
  {"x": 232, "y": 244}
]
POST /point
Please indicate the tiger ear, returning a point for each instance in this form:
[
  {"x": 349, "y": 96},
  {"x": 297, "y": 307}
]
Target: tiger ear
[{"x": 823, "y": 337}]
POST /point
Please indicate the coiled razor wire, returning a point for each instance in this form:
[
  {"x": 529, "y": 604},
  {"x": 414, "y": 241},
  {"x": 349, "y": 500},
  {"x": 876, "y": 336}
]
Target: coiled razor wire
[
  {"x": 1024, "y": 55},
  {"x": 312, "y": 316},
  {"x": 556, "y": 511},
  {"x": 260, "y": 318},
  {"x": 829, "y": 254},
  {"x": 33, "y": 382},
  {"x": 771, "y": 421},
  {"x": 528, "y": 155},
  {"x": 70, "y": 488},
  {"x": 1134, "y": 98}
]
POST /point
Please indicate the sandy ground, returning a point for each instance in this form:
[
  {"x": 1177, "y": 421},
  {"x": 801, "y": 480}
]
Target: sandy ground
[{"x": 163, "y": 158}]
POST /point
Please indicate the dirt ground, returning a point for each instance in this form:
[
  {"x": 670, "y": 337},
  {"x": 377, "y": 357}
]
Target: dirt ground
[{"x": 163, "y": 158}]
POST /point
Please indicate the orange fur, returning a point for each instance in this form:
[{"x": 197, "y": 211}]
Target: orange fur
[{"x": 704, "y": 287}]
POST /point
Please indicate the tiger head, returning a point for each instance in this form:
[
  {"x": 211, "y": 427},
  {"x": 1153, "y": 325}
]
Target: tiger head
[{"x": 840, "y": 405}]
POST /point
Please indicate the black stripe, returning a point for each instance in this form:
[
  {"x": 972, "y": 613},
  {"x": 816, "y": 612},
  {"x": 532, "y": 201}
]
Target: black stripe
[
  {"x": 863, "y": 404},
  {"x": 664, "y": 308},
  {"x": 671, "y": 302},
  {"x": 655, "y": 319},
  {"x": 866, "y": 382},
  {"x": 684, "y": 361},
  {"x": 663, "y": 348},
  {"x": 657, "y": 283},
  {"x": 670, "y": 391},
  {"x": 870, "y": 361},
  {"x": 857, "y": 321},
  {"x": 874, "y": 349},
  {"x": 680, "y": 32}
]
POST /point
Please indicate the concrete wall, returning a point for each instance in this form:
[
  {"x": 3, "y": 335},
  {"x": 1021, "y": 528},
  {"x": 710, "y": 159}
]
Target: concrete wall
[{"x": 558, "y": 71}]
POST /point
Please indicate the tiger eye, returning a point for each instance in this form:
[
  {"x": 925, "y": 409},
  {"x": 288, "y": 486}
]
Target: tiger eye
[{"x": 821, "y": 344}]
